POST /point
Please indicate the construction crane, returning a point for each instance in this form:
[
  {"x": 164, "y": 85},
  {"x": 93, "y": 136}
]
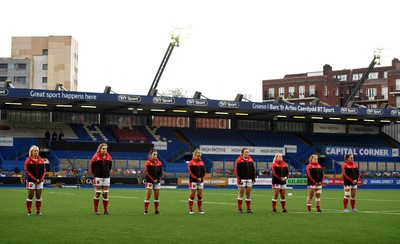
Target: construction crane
[
  {"x": 174, "y": 42},
  {"x": 364, "y": 77}
]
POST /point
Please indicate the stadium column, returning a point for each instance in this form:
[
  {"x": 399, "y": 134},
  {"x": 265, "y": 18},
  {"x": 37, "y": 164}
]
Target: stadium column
[
  {"x": 234, "y": 124},
  {"x": 103, "y": 120}
]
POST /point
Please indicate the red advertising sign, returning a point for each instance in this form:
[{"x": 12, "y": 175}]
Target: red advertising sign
[
  {"x": 210, "y": 123},
  {"x": 165, "y": 121},
  {"x": 337, "y": 181}
]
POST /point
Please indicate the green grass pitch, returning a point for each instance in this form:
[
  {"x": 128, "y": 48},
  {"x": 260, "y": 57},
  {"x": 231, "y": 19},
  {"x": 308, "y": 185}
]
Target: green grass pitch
[{"x": 68, "y": 218}]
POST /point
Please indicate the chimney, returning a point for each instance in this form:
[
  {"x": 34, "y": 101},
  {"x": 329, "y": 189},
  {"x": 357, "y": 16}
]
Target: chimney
[
  {"x": 396, "y": 64},
  {"x": 328, "y": 71}
]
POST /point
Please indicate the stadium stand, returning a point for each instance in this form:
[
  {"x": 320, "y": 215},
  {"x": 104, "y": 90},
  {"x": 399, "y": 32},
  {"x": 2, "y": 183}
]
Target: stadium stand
[
  {"x": 91, "y": 133},
  {"x": 130, "y": 134},
  {"x": 214, "y": 137},
  {"x": 181, "y": 141},
  {"x": 167, "y": 134},
  {"x": 349, "y": 140}
]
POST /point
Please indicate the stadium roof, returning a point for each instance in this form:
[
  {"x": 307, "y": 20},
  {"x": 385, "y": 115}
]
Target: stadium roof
[{"x": 54, "y": 100}]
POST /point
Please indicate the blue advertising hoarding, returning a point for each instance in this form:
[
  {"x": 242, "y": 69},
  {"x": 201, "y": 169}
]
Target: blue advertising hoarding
[{"x": 50, "y": 95}]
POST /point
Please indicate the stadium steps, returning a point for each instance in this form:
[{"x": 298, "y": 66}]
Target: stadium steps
[
  {"x": 248, "y": 140},
  {"x": 153, "y": 132},
  {"x": 93, "y": 131},
  {"x": 389, "y": 140},
  {"x": 302, "y": 139},
  {"x": 22, "y": 150},
  {"x": 183, "y": 138}
]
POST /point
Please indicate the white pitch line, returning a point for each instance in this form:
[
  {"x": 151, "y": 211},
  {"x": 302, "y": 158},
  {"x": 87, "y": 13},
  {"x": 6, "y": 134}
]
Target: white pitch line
[
  {"x": 380, "y": 212},
  {"x": 387, "y": 212},
  {"x": 324, "y": 211},
  {"x": 216, "y": 203},
  {"x": 60, "y": 193},
  {"x": 124, "y": 197},
  {"x": 390, "y": 211},
  {"x": 329, "y": 211},
  {"x": 235, "y": 194},
  {"x": 19, "y": 190},
  {"x": 364, "y": 199}
]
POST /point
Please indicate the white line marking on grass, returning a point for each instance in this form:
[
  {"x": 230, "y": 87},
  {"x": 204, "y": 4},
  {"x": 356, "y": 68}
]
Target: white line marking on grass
[
  {"x": 378, "y": 200},
  {"x": 387, "y": 212},
  {"x": 390, "y": 211},
  {"x": 124, "y": 197},
  {"x": 305, "y": 212},
  {"x": 19, "y": 190},
  {"x": 235, "y": 194},
  {"x": 221, "y": 203},
  {"x": 380, "y": 212},
  {"x": 365, "y": 199},
  {"x": 61, "y": 193},
  {"x": 217, "y": 203}
]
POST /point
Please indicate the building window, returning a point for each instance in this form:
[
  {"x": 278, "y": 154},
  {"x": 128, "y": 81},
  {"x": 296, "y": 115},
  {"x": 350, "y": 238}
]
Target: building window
[
  {"x": 44, "y": 79},
  {"x": 342, "y": 77},
  {"x": 20, "y": 66},
  {"x": 385, "y": 74},
  {"x": 384, "y": 92},
  {"x": 302, "y": 91},
  {"x": 19, "y": 79},
  {"x": 397, "y": 88},
  {"x": 271, "y": 93},
  {"x": 3, "y": 78},
  {"x": 3, "y": 66},
  {"x": 291, "y": 91},
  {"x": 373, "y": 75},
  {"x": 357, "y": 76},
  {"x": 282, "y": 91},
  {"x": 45, "y": 51},
  {"x": 44, "y": 67},
  {"x": 371, "y": 93},
  {"x": 336, "y": 91},
  {"x": 311, "y": 88},
  {"x": 325, "y": 90}
]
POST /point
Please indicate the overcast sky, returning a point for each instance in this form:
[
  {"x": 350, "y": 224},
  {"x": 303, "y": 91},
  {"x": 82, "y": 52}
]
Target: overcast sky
[{"x": 230, "y": 48}]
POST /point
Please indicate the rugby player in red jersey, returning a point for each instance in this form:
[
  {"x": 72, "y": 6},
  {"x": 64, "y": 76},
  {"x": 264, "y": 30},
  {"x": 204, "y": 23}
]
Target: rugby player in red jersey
[
  {"x": 35, "y": 172},
  {"x": 245, "y": 176},
  {"x": 197, "y": 172},
  {"x": 351, "y": 175},
  {"x": 280, "y": 173},
  {"x": 153, "y": 169},
  {"x": 315, "y": 176},
  {"x": 100, "y": 166}
]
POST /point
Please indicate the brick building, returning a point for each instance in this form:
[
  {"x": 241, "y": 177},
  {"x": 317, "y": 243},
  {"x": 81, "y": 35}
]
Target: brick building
[{"x": 333, "y": 87}]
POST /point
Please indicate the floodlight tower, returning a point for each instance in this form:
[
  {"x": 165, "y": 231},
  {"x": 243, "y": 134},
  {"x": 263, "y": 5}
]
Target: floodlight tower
[
  {"x": 364, "y": 77},
  {"x": 174, "y": 42}
]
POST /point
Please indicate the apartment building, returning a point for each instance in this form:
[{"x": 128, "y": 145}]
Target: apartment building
[
  {"x": 16, "y": 70},
  {"x": 49, "y": 60},
  {"x": 333, "y": 87}
]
